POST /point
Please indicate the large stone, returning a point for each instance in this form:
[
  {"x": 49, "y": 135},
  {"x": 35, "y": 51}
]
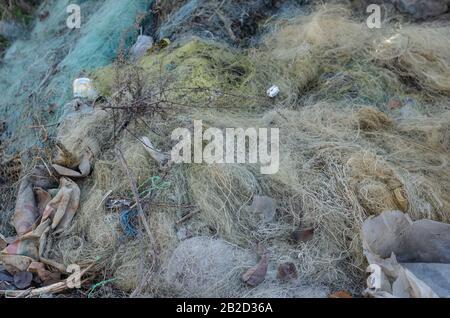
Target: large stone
[
  {"x": 208, "y": 267},
  {"x": 422, "y": 9}
]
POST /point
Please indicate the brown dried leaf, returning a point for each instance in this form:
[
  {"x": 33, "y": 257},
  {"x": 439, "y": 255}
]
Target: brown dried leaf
[
  {"x": 401, "y": 199},
  {"x": 340, "y": 294},
  {"x": 303, "y": 235},
  {"x": 39, "y": 269},
  {"x": 287, "y": 271},
  {"x": 256, "y": 275}
]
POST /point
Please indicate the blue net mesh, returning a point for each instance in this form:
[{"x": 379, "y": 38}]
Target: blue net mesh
[{"x": 38, "y": 70}]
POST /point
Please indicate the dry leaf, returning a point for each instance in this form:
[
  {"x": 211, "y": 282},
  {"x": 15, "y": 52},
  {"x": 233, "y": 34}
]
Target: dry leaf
[
  {"x": 303, "y": 235},
  {"x": 287, "y": 271},
  {"x": 400, "y": 199},
  {"x": 256, "y": 275},
  {"x": 39, "y": 269},
  {"x": 340, "y": 294}
]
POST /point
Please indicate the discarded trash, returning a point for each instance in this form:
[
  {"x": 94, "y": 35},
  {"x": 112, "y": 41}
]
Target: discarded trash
[
  {"x": 163, "y": 159},
  {"x": 28, "y": 244},
  {"x": 84, "y": 88},
  {"x": 408, "y": 259},
  {"x": 95, "y": 286},
  {"x": 69, "y": 165},
  {"x": 264, "y": 206},
  {"x": 287, "y": 271},
  {"x": 30, "y": 204},
  {"x": 25, "y": 212},
  {"x": 62, "y": 208},
  {"x": 273, "y": 91},
  {"x": 35, "y": 216},
  {"x": 142, "y": 45},
  {"x": 302, "y": 235},
  {"x": 117, "y": 203},
  {"x": 128, "y": 220}
]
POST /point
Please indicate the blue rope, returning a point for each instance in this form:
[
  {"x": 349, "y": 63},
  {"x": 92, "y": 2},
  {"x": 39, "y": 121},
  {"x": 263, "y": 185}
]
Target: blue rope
[
  {"x": 128, "y": 222},
  {"x": 127, "y": 217}
]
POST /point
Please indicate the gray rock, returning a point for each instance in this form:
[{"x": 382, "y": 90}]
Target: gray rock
[
  {"x": 422, "y": 9},
  {"x": 22, "y": 280},
  {"x": 207, "y": 267}
]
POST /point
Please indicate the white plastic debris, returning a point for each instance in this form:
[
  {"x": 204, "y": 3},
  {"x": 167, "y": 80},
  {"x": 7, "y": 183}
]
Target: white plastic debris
[
  {"x": 84, "y": 88},
  {"x": 264, "y": 206},
  {"x": 273, "y": 91},
  {"x": 142, "y": 45},
  {"x": 392, "y": 47},
  {"x": 408, "y": 259}
]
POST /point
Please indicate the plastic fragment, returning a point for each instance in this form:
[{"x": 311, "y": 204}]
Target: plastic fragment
[
  {"x": 273, "y": 91},
  {"x": 143, "y": 44},
  {"x": 264, "y": 206},
  {"x": 84, "y": 88}
]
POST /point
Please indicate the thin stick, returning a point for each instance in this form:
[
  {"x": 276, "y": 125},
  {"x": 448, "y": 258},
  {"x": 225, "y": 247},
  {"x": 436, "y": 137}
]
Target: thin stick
[
  {"x": 136, "y": 195},
  {"x": 187, "y": 216},
  {"x": 104, "y": 198},
  {"x": 43, "y": 126}
]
